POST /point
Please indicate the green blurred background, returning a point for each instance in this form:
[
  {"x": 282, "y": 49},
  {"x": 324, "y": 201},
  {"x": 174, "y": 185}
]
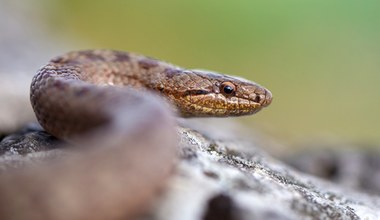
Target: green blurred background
[{"x": 320, "y": 58}]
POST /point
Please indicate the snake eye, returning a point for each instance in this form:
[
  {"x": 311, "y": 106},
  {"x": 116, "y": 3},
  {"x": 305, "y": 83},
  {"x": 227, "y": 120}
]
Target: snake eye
[{"x": 227, "y": 88}]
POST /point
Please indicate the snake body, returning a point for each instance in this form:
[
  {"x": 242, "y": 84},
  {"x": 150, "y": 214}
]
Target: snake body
[{"x": 105, "y": 102}]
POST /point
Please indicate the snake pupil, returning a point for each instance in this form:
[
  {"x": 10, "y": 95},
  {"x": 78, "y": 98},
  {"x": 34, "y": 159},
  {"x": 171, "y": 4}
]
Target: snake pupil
[{"x": 228, "y": 89}]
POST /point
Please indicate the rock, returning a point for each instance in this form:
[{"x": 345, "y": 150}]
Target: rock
[
  {"x": 30, "y": 139},
  {"x": 255, "y": 184},
  {"x": 233, "y": 179},
  {"x": 357, "y": 167}
]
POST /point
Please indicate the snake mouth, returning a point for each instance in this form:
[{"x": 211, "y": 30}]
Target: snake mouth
[
  {"x": 264, "y": 99},
  {"x": 203, "y": 104}
]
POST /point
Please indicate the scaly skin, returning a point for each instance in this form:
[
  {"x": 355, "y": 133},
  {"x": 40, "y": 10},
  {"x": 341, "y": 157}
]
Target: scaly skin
[
  {"x": 125, "y": 139},
  {"x": 194, "y": 93}
]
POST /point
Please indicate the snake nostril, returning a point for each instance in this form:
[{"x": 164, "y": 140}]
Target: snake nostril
[{"x": 257, "y": 99}]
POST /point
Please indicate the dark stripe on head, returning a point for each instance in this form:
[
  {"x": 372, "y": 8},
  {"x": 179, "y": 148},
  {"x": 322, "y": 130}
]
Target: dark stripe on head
[{"x": 196, "y": 92}]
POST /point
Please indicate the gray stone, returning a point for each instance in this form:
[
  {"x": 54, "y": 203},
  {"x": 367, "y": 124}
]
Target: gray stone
[
  {"x": 233, "y": 179},
  {"x": 356, "y": 167}
]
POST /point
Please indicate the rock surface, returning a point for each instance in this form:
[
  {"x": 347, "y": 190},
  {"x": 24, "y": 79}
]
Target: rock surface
[
  {"x": 233, "y": 179},
  {"x": 356, "y": 167}
]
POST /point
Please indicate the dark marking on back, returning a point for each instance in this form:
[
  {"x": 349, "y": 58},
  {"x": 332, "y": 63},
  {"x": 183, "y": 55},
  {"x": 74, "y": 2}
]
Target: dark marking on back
[
  {"x": 121, "y": 56},
  {"x": 170, "y": 72},
  {"x": 65, "y": 61},
  {"x": 59, "y": 59},
  {"x": 147, "y": 63},
  {"x": 92, "y": 56}
]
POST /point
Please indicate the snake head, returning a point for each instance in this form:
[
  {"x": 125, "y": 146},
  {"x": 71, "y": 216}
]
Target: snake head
[{"x": 198, "y": 93}]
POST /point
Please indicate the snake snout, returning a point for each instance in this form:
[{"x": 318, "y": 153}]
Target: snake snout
[
  {"x": 267, "y": 98},
  {"x": 261, "y": 96}
]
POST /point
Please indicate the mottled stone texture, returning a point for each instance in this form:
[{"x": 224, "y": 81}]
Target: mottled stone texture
[{"x": 233, "y": 179}]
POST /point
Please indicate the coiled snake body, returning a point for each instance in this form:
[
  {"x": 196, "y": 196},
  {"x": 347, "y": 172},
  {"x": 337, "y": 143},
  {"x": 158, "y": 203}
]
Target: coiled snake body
[{"x": 126, "y": 138}]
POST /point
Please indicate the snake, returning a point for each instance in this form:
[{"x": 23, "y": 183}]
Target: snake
[{"x": 116, "y": 112}]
